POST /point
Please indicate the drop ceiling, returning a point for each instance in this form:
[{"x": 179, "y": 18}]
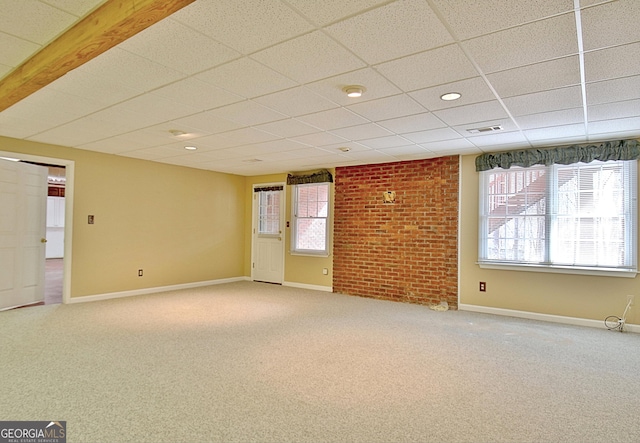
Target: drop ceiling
[{"x": 257, "y": 85}]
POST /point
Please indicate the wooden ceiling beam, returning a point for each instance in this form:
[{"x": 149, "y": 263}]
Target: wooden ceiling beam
[{"x": 107, "y": 26}]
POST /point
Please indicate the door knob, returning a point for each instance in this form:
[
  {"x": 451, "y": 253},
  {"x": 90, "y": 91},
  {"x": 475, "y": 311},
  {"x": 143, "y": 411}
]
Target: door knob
[{"x": 43, "y": 240}]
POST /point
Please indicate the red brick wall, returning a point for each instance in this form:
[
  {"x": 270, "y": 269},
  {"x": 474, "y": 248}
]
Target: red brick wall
[{"x": 404, "y": 251}]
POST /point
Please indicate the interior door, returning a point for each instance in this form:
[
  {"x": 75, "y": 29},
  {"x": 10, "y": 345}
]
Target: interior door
[
  {"x": 268, "y": 239},
  {"x": 23, "y": 210}
]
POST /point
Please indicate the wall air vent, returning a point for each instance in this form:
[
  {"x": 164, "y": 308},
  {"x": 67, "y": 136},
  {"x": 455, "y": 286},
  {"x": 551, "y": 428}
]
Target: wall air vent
[{"x": 485, "y": 129}]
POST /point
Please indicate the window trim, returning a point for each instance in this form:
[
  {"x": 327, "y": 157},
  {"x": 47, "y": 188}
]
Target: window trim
[
  {"x": 628, "y": 272},
  {"x": 294, "y": 228}
]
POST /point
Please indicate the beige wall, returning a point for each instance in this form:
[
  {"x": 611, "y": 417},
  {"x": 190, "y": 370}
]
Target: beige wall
[
  {"x": 582, "y": 296},
  {"x": 305, "y": 270},
  {"x": 179, "y": 225}
]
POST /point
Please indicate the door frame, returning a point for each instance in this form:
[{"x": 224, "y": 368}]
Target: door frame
[
  {"x": 254, "y": 223},
  {"x": 69, "y": 166}
]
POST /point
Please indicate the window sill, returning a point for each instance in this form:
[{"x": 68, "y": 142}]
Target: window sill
[
  {"x": 310, "y": 253},
  {"x": 628, "y": 273}
]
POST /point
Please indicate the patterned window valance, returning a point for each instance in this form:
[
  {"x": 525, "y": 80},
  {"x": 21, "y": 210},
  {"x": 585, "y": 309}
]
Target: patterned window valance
[
  {"x": 317, "y": 177},
  {"x": 269, "y": 188},
  {"x": 613, "y": 150}
]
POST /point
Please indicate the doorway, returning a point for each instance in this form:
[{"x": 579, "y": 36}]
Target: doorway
[
  {"x": 57, "y": 272},
  {"x": 268, "y": 240}
]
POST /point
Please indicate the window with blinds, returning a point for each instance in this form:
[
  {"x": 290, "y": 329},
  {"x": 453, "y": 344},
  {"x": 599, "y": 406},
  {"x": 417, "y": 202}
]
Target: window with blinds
[{"x": 580, "y": 216}]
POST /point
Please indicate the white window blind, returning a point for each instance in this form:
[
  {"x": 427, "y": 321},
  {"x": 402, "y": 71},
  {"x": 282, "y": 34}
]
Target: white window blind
[
  {"x": 572, "y": 216},
  {"x": 310, "y": 214}
]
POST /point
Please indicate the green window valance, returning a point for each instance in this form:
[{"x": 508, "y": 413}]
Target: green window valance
[
  {"x": 317, "y": 177},
  {"x": 613, "y": 150}
]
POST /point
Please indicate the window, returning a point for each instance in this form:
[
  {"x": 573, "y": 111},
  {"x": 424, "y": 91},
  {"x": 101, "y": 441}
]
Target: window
[
  {"x": 269, "y": 212},
  {"x": 580, "y": 216},
  {"x": 310, "y": 216}
]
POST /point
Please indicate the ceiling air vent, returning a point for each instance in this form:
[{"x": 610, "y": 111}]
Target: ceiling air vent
[{"x": 485, "y": 129}]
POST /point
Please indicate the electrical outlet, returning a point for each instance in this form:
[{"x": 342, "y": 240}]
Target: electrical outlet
[
  {"x": 483, "y": 286},
  {"x": 325, "y": 271},
  {"x": 631, "y": 299},
  {"x": 139, "y": 272}
]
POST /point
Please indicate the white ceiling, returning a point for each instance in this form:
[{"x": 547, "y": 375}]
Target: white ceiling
[{"x": 257, "y": 84}]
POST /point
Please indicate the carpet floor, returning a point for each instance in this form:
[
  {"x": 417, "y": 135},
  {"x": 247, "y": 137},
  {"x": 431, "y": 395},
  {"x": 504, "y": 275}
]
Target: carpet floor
[{"x": 252, "y": 362}]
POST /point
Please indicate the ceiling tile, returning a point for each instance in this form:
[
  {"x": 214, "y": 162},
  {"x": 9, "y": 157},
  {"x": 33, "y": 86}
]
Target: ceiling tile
[
  {"x": 472, "y": 113},
  {"x": 412, "y": 123},
  {"x": 197, "y": 94},
  {"x": 388, "y": 107},
  {"x": 290, "y": 127},
  {"x": 630, "y": 125},
  {"x": 155, "y": 109},
  {"x": 473, "y": 90},
  {"x": 207, "y": 122},
  {"x": 308, "y": 58},
  {"x": 246, "y": 26},
  {"x": 101, "y": 89},
  {"x": 79, "y": 8},
  {"x": 433, "y": 135},
  {"x": 539, "y": 77},
  {"x": 327, "y": 11},
  {"x": 179, "y": 47},
  {"x": 552, "y": 118},
  {"x": 333, "y": 119},
  {"x": 44, "y": 106},
  {"x": 389, "y": 141},
  {"x": 400, "y": 28},
  {"x": 430, "y": 68},
  {"x": 14, "y": 50},
  {"x": 619, "y": 19},
  {"x": 450, "y": 146},
  {"x": 470, "y": 19},
  {"x": 610, "y": 111},
  {"x": 555, "y": 132},
  {"x": 130, "y": 70},
  {"x": 526, "y": 44},
  {"x": 247, "y": 78},
  {"x": 402, "y": 151},
  {"x": 504, "y": 140},
  {"x": 606, "y": 64},
  {"x": 360, "y": 132},
  {"x": 613, "y": 90},
  {"x": 319, "y": 139},
  {"x": 17, "y": 127},
  {"x": 296, "y": 101},
  {"x": 245, "y": 136},
  {"x": 112, "y": 145},
  {"x": 34, "y": 21},
  {"x": 552, "y": 100},
  {"x": 247, "y": 113},
  {"x": 157, "y": 152}
]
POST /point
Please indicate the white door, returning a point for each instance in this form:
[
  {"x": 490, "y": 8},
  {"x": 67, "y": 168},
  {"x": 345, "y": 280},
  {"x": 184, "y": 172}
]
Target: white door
[
  {"x": 23, "y": 206},
  {"x": 268, "y": 238}
]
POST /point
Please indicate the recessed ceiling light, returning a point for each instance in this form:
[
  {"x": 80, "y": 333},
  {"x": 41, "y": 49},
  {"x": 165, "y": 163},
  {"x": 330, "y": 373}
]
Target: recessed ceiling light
[
  {"x": 354, "y": 91},
  {"x": 176, "y": 132},
  {"x": 344, "y": 148},
  {"x": 450, "y": 96},
  {"x": 190, "y": 148}
]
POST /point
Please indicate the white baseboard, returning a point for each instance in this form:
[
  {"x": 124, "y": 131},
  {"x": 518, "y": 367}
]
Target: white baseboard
[
  {"x": 543, "y": 317},
  {"x": 110, "y": 295},
  {"x": 305, "y": 286}
]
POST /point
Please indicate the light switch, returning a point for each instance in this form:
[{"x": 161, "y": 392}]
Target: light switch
[{"x": 90, "y": 219}]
